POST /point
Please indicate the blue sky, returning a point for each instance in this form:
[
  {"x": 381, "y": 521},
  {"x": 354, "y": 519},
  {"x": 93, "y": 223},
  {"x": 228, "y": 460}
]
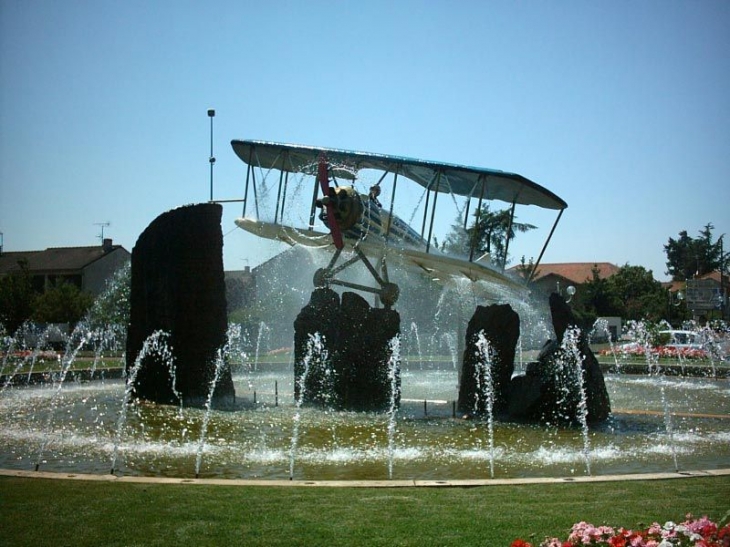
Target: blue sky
[{"x": 621, "y": 108}]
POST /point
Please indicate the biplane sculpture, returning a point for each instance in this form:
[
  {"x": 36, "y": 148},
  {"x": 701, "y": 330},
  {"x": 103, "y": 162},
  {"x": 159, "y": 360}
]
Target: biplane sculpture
[{"x": 355, "y": 220}]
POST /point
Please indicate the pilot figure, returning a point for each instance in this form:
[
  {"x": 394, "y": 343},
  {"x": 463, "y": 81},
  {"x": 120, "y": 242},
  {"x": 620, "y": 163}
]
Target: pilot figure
[{"x": 374, "y": 193}]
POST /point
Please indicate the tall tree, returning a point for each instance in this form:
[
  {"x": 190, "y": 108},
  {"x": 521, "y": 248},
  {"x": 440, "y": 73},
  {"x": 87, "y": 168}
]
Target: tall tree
[
  {"x": 17, "y": 298},
  {"x": 689, "y": 257},
  {"x": 600, "y": 296},
  {"x": 489, "y": 233},
  {"x": 642, "y": 296}
]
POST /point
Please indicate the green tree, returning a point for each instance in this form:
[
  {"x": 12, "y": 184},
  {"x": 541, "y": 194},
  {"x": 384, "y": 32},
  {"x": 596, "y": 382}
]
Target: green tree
[
  {"x": 489, "y": 233},
  {"x": 63, "y": 303},
  {"x": 16, "y": 298},
  {"x": 688, "y": 257},
  {"x": 524, "y": 270},
  {"x": 112, "y": 307},
  {"x": 457, "y": 240},
  {"x": 641, "y": 295},
  {"x": 598, "y": 298}
]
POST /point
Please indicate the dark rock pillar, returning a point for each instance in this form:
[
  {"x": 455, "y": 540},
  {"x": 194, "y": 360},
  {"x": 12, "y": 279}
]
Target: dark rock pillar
[
  {"x": 178, "y": 287},
  {"x": 501, "y": 327},
  {"x": 355, "y": 374},
  {"x": 319, "y": 318},
  {"x": 549, "y": 392},
  {"x": 599, "y": 406},
  {"x": 363, "y": 355}
]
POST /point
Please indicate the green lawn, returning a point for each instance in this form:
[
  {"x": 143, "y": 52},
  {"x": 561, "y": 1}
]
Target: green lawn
[{"x": 39, "y": 512}]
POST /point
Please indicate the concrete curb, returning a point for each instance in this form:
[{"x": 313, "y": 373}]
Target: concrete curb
[{"x": 468, "y": 483}]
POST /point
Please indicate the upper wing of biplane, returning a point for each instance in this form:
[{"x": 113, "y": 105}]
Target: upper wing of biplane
[
  {"x": 440, "y": 177},
  {"x": 377, "y": 229}
]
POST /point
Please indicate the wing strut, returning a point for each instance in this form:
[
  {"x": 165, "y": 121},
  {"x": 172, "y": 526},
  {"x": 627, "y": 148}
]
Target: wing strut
[{"x": 387, "y": 291}]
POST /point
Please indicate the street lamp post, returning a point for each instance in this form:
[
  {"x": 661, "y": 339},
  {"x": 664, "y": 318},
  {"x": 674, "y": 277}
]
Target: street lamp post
[{"x": 211, "y": 115}]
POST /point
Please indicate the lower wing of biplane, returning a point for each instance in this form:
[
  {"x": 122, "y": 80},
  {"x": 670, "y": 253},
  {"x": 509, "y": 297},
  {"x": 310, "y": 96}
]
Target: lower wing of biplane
[{"x": 358, "y": 223}]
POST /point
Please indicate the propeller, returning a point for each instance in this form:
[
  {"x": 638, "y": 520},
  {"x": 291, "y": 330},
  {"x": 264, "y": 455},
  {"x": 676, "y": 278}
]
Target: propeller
[{"x": 324, "y": 183}]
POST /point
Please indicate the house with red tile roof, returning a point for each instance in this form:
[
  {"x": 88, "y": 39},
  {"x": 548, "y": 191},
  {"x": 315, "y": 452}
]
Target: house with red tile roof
[{"x": 557, "y": 277}]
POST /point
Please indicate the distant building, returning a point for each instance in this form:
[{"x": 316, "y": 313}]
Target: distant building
[
  {"x": 551, "y": 278},
  {"x": 88, "y": 268},
  {"x": 705, "y": 296},
  {"x": 240, "y": 287}
]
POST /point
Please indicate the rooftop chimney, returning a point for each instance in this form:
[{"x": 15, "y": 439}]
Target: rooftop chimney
[{"x": 106, "y": 244}]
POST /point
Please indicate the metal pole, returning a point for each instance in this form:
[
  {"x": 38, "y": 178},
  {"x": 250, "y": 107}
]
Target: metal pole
[
  {"x": 211, "y": 115},
  {"x": 542, "y": 252},
  {"x": 433, "y": 212},
  {"x": 509, "y": 230},
  {"x": 475, "y": 235},
  {"x": 723, "y": 304}
]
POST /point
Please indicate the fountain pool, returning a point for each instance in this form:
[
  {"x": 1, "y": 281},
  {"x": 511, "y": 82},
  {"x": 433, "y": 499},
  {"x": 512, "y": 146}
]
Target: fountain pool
[{"x": 75, "y": 429}]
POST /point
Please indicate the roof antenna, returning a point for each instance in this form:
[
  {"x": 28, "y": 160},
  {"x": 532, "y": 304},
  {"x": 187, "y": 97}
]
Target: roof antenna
[
  {"x": 211, "y": 115},
  {"x": 103, "y": 225}
]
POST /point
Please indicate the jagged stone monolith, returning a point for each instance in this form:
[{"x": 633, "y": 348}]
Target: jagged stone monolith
[
  {"x": 500, "y": 326},
  {"x": 178, "y": 287},
  {"x": 342, "y": 349},
  {"x": 549, "y": 391}
]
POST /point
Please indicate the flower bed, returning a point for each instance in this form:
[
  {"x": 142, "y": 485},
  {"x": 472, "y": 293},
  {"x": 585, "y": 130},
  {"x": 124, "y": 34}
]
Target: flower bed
[
  {"x": 692, "y": 532},
  {"x": 662, "y": 352}
]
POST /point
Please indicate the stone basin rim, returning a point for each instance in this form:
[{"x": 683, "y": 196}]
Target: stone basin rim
[{"x": 413, "y": 483}]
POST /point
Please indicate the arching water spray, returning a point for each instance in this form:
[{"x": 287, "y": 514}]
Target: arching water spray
[
  {"x": 451, "y": 344},
  {"x": 414, "y": 330},
  {"x": 315, "y": 349},
  {"x": 640, "y": 333},
  {"x": 154, "y": 344},
  {"x": 68, "y": 358},
  {"x": 220, "y": 361},
  {"x": 263, "y": 328},
  {"x": 485, "y": 389},
  {"x": 393, "y": 366},
  {"x": 571, "y": 355},
  {"x": 29, "y": 358},
  {"x": 601, "y": 327}
]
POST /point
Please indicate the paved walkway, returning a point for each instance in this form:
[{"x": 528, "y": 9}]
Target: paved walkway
[{"x": 364, "y": 484}]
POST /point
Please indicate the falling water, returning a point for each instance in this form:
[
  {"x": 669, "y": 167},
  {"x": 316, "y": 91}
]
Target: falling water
[
  {"x": 103, "y": 339},
  {"x": 11, "y": 343},
  {"x": 31, "y": 358},
  {"x": 262, "y": 329},
  {"x": 414, "y": 330},
  {"x": 219, "y": 363},
  {"x": 641, "y": 334},
  {"x": 709, "y": 342},
  {"x": 233, "y": 342},
  {"x": 68, "y": 359},
  {"x": 601, "y": 326},
  {"x": 155, "y": 343},
  {"x": 571, "y": 354},
  {"x": 315, "y": 348},
  {"x": 393, "y": 365},
  {"x": 451, "y": 343},
  {"x": 669, "y": 427},
  {"x": 485, "y": 390}
]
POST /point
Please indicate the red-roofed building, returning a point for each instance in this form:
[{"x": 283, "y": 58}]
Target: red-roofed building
[{"x": 551, "y": 278}]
